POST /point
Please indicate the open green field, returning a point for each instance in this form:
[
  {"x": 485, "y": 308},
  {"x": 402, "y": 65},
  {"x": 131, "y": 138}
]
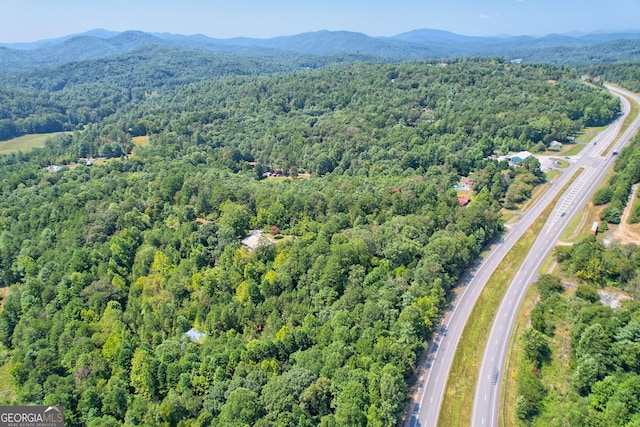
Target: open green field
[{"x": 25, "y": 142}]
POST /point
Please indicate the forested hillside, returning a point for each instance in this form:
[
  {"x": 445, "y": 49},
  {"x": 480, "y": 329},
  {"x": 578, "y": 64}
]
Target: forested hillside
[
  {"x": 79, "y": 93},
  {"x": 626, "y": 74},
  {"x": 109, "y": 265}
]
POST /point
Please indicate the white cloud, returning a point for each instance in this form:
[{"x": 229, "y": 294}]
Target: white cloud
[{"x": 485, "y": 16}]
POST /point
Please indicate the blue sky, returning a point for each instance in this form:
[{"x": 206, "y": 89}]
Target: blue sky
[{"x": 31, "y": 20}]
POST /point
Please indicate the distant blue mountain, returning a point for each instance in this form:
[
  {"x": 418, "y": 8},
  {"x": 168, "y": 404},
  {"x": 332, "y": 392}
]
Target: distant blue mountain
[{"x": 412, "y": 45}]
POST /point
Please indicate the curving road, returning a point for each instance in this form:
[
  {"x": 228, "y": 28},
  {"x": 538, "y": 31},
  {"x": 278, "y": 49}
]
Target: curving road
[
  {"x": 425, "y": 407},
  {"x": 487, "y": 398}
]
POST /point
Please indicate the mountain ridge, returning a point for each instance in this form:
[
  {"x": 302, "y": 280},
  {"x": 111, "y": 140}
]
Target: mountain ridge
[
  {"x": 421, "y": 32},
  {"x": 413, "y": 45}
]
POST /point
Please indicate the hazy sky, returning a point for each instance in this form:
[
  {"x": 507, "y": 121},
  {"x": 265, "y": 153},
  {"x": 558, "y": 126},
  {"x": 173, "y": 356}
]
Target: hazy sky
[{"x": 31, "y": 20}]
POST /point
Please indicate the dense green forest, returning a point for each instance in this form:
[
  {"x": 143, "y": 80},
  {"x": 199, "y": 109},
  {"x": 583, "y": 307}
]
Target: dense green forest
[
  {"x": 69, "y": 96},
  {"x": 109, "y": 265},
  {"x": 73, "y": 95}
]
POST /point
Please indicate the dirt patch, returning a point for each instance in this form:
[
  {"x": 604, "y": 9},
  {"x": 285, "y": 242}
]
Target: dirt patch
[
  {"x": 626, "y": 233},
  {"x": 613, "y": 298},
  {"x": 3, "y": 296}
]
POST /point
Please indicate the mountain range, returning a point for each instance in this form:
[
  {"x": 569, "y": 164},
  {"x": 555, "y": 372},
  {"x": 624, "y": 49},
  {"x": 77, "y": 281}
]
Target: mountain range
[{"x": 413, "y": 45}]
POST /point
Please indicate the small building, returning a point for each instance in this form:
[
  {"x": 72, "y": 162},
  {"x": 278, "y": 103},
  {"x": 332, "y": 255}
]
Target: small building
[
  {"x": 255, "y": 239},
  {"x": 195, "y": 335},
  {"x": 463, "y": 200},
  {"x": 519, "y": 157},
  {"x": 555, "y": 146},
  {"x": 594, "y": 227}
]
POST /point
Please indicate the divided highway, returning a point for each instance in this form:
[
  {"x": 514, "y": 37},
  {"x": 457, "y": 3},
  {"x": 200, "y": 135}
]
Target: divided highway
[
  {"x": 425, "y": 408},
  {"x": 487, "y": 398}
]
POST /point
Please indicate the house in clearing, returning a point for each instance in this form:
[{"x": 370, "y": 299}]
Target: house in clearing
[{"x": 255, "y": 239}]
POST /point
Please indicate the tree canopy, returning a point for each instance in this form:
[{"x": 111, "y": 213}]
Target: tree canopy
[{"x": 109, "y": 265}]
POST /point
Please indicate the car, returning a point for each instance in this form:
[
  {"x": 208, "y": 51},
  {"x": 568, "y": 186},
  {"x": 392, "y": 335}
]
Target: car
[{"x": 615, "y": 153}]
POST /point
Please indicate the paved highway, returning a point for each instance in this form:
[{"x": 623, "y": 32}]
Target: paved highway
[
  {"x": 435, "y": 367},
  {"x": 595, "y": 166}
]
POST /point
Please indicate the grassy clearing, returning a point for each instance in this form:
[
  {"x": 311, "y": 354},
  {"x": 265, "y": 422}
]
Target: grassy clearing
[
  {"x": 510, "y": 217},
  {"x": 553, "y": 174},
  {"x": 575, "y": 149},
  {"x": 580, "y": 225},
  {"x": 6, "y": 384},
  {"x": 461, "y": 386},
  {"x": 25, "y": 142},
  {"x": 548, "y": 264},
  {"x": 140, "y": 141}
]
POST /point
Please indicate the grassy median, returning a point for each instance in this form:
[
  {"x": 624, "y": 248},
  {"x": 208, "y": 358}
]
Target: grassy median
[{"x": 461, "y": 386}]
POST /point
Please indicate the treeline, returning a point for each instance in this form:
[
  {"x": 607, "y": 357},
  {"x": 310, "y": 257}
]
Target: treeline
[
  {"x": 580, "y": 355},
  {"x": 109, "y": 265}
]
